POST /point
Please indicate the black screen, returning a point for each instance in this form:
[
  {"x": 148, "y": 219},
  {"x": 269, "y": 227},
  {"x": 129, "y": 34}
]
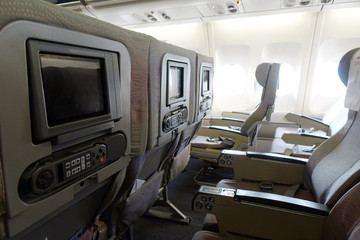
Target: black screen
[
  {"x": 176, "y": 83},
  {"x": 206, "y": 81},
  {"x": 73, "y": 88}
]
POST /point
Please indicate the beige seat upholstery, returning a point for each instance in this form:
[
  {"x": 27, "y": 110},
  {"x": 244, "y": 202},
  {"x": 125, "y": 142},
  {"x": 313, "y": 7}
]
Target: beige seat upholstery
[
  {"x": 311, "y": 132},
  {"x": 167, "y": 152},
  {"x": 341, "y": 223},
  {"x": 267, "y": 75},
  {"x": 318, "y": 191},
  {"x": 212, "y": 140}
]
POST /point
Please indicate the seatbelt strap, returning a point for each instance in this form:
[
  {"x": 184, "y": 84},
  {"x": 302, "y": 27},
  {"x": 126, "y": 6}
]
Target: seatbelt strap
[
  {"x": 166, "y": 163},
  {"x": 92, "y": 232}
]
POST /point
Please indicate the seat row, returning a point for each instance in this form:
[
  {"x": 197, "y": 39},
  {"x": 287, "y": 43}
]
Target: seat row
[
  {"x": 276, "y": 196},
  {"x": 96, "y": 121}
]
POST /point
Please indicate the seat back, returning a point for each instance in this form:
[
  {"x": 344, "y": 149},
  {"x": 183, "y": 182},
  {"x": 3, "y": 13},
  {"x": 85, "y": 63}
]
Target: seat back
[
  {"x": 343, "y": 221},
  {"x": 335, "y": 166},
  {"x": 267, "y": 75},
  {"x": 84, "y": 196},
  {"x": 161, "y": 109},
  {"x": 204, "y": 86}
]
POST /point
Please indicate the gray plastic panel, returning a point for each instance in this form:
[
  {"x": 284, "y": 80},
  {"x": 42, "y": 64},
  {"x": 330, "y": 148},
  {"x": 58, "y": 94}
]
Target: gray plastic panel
[
  {"x": 166, "y": 136},
  {"x": 17, "y": 148}
]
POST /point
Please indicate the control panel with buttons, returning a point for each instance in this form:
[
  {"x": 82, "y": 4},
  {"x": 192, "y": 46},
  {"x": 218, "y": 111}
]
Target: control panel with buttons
[
  {"x": 226, "y": 160},
  {"x": 52, "y": 174},
  {"x": 207, "y": 194},
  {"x": 174, "y": 119}
]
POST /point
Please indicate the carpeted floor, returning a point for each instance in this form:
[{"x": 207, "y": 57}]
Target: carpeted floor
[{"x": 181, "y": 192}]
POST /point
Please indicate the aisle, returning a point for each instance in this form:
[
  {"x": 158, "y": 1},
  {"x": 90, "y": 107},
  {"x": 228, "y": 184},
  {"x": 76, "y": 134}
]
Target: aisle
[{"x": 181, "y": 193}]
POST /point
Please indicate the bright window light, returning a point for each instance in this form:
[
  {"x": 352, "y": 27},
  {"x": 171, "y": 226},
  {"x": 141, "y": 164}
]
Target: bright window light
[
  {"x": 286, "y": 80},
  {"x": 230, "y": 80},
  {"x": 328, "y": 82}
]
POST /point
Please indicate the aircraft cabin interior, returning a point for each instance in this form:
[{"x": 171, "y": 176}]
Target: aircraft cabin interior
[{"x": 179, "y": 120}]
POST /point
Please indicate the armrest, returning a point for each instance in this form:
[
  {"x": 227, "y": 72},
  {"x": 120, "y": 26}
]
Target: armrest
[
  {"x": 215, "y": 131},
  {"x": 277, "y": 157},
  {"x": 307, "y": 121},
  {"x": 218, "y": 131},
  {"x": 279, "y": 201},
  {"x": 261, "y": 215},
  {"x": 304, "y": 139},
  {"x": 267, "y": 167},
  {"x": 238, "y": 115},
  {"x": 225, "y": 121}
]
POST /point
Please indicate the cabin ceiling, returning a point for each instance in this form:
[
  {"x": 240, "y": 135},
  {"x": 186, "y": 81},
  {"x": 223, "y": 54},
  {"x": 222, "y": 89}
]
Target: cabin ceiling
[{"x": 141, "y": 13}]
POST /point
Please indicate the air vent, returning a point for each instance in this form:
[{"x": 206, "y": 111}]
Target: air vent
[
  {"x": 304, "y": 2},
  {"x": 165, "y": 16},
  {"x": 151, "y": 17},
  {"x": 224, "y": 8},
  {"x": 231, "y": 8}
]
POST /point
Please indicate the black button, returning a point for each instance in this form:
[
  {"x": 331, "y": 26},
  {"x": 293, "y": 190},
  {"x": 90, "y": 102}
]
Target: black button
[
  {"x": 209, "y": 206},
  {"x": 199, "y": 204},
  {"x": 45, "y": 179}
]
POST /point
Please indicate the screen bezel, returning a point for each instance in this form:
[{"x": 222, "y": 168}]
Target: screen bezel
[
  {"x": 206, "y": 67},
  {"x": 184, "y": 66},
  {"x": 41, "y": 131}
]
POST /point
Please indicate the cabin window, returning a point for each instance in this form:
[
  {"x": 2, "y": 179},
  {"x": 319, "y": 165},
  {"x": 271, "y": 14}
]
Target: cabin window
[
  {"x": 327, "y": 87},
  {"x": 230, "y": 88},
  {"x": 286, "y": 80}
]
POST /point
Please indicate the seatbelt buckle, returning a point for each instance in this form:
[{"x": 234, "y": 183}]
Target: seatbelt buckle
[{"x": 266, "y": 187}]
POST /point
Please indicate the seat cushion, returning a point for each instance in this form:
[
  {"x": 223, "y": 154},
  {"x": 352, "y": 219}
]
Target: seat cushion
[{"x": 281, "y": 130}]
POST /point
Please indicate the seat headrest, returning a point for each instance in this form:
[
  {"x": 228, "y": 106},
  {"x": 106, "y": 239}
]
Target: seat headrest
[
  {"x": 349, "y": 73},
  {"x": 344, "y": 65},
  {"x": 262, "y": 72}
]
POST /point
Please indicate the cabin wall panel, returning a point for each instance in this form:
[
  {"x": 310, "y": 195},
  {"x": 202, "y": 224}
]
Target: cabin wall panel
[
  {"x": 193, "y": 36},
  {"x": 336, "y": 33},
  {"x": 285, "y": 37},
  {"x": 310, "y": 43}
]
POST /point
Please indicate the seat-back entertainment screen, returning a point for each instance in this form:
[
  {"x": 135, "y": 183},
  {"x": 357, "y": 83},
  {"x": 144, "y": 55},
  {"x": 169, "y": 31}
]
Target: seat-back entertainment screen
[
  {"x": 206, "y": 81},
  {"x": 175, "y": 82},
  {"x": 73, "y": 88}
]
